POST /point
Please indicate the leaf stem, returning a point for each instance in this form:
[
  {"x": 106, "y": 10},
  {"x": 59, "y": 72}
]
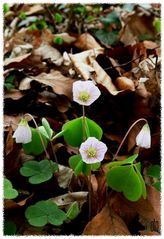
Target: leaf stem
[{"x": 141, "y": 119}]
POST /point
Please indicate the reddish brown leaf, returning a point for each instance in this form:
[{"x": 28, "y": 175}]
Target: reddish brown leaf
[
  {"x": 9, "y": 141},
  {"x": 107, "y": 222},
  {"x": 86, "y": 42}
]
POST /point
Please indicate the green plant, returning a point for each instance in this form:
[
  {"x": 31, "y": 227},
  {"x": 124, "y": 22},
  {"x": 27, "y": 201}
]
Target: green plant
[
  {"x": 9, "y": 228},
  {"x": 154, "y": 172},
  {"x": 111, "y": 27},
  {"x": 38, "y": 172},
  {"x": 58, "y": 40},
  {"x": 9, "y": 82},
  {"x": 9, "y": 191},
  {"x": 6, "y": 7},
  {"x": 44, "y": 212},
  {"x": 58, "y": 18}
]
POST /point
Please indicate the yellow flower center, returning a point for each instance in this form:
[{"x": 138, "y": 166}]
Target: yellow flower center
[
  {"x": 84, "y": 96},
  {"x": 91, "y": 152}
]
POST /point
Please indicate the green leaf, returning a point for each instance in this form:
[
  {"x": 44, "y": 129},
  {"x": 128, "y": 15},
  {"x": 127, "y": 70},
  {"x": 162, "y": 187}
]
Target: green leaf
[
  {"x": 129, "y": 160},
  {"x": 111, "y": 18},
  {"x": 144, "y": 194},
  {"x": 108, "y": 38},
  {"x": 35, "y": 147},
  {"x": 9, "y": 228},
  {"x": 125, "y": 179},
  {"x": 157, "y": 24},
  {"x": 49, "y": 131},
  {"x": 6, "y": 7},
  {"x": 157, "y": 185},
  {"x": 77, "y": 164},
  {"x": 73, "y": 211},
  {"x": 38, "y": 172},
  {"x": 58, "y": 40},
  {"x": 22, "y": 15},
  {"x": 9, "y": 191},
  {"x": 154, "y": 171},
  {"x": 44, "y": 212},
  {"x": 58, "y": 17},
  {"x": 73, "y": 132}
]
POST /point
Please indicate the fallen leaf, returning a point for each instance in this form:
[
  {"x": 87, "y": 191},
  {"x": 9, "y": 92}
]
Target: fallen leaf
[
  {"x": 34, "y": 10},
  {"x": 13, "y": 94},
  {"x": 9, "y": 141},
  {"x": 49, "y": 52},
  {"x": 11, "y": 204},
  {"x": 107, "y": 222},
  {"x": 86, "y": 41},
  {"x": 60, "y": 84},
  {"x": 94, "y": 183},
  {"x": 13, "y": 121},
  {"x": 17, "y": 59},
  {"x": 21, "y": 49},
  {"x": 66, "y": 37},
  {"x": 70, "y": 197},
  {"x": 82, "y": 61},
  {"x": 64, "y": 176},
  {"x": 124, "y": 83},
  {"x": 149, "y": 233}
]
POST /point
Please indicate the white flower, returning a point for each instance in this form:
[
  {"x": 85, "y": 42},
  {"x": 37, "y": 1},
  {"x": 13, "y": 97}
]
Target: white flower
[
  {"x": 23, "y": 133},
  {"x": 85, "y": 92},
  {"x": 92, "y": 150},
  {"x": 143, "y": 139}
]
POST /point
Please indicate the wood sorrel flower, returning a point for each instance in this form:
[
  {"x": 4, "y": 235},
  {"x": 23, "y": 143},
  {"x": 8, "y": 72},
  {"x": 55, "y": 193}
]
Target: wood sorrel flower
[
  {"x": 92, "y": 150},
  {"x": 85, "y": 92},
  {"x": 23, "y": 133},
  {"x": 143, "y": 139}
]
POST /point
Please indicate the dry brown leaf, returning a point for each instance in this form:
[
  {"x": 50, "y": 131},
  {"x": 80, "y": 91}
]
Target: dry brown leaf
[
  {"x": 124, "y": 83},
  {"x": 70, "y": 197},
  {"x": 49, "y": 52},
  {"x": 94, "y": 183},
  {"x": 9, "y": 141},
  {"x": 60, "y": 84},
  {"x": 13, "y": 94},
  {"x": 11, "y": 204},
  {"x": 66, "y": 37},
  {"x": 101, "y": 77},
  {"x": 64, "y": 176},
  {"x": 35, "y": 9},
  {"x": 107, "y": 222},
  {"x": 149, "y": 233},
  {"x": 13, "y": 121},
  {"x": 86, "y": 41},
  {"x": 17, "y": 59},
  {"x": 82, "y": 61}
]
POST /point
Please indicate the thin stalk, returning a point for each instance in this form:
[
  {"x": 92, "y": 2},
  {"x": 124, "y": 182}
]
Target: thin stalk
[
  {"x": 83, "y": 124},
  {"x": 58, "y": 135},
  {"x": 41, "y": 138},
  {"x": 141, "y": 119},
  {"x": 54, "y": 154}
]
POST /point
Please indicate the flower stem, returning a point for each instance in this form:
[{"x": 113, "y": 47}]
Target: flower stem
[
  {"x": 83, "y": 124},
  {"x": 41, "y": 138},
  {"x": 141, "y": 119},
  {"x": 58, "y": 135}
]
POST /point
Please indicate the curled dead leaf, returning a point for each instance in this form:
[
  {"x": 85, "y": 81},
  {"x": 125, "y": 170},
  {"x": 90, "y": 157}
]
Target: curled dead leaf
[
  {"x": 86, "y": 41},
  {"x": 60, "y": 84},
  {"x": 124, "y": 83},
  {"x": 17, "y": 59},
  {"x": 64, "y": 176},
  {"x": 66, "y": 37},
  {"x": 70, "y": 197},
  {"x": 107, "y": 222},
  {"x": 49, "y": 52}
]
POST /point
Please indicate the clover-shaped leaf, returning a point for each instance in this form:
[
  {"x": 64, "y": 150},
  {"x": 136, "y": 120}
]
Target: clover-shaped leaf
[
  {"x": 38, "y": 172},
  {"x": 125, "y": 179},
  {"x": 77, "y": 164},
  {"x": 73, "y": 131},
  {"x": 35, "y": 146},
  {"x": 44, "y": 212},
  {"x": 9, "y": 191},
  {"x": 154, "y": 171},
  {"x": 129, "y": 160}
]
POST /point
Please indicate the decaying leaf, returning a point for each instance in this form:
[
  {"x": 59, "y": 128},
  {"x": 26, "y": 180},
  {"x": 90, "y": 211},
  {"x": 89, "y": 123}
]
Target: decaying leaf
[
  {"x": 70, "y": 197},
  {"x": 86, "y": 41},
  {"x": 124, "y": 83},
  {"x": 35, "y": 9},
  {"x": 13, "y": 94},
  {"x": 107, "y": 222},
  {"x": 60, "y": 84},
  {"x": 67, "y": 38},
  {"x": 9, "y": 141},
  {"x": 64, "y": 176},
  {"x": 17, "y": 59},
  {"x": 49, "y": 52}
]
